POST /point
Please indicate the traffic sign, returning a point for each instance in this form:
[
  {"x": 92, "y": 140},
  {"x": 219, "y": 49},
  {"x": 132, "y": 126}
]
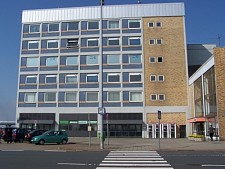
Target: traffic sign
[{"x": 159, "y": 114}]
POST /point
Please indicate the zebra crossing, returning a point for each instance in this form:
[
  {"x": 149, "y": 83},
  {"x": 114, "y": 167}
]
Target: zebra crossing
[{"x": 134, "y": 160}]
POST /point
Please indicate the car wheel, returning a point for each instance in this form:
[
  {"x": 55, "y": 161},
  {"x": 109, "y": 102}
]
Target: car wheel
[
  {"x": 41, "y": 142},
  {"x": 64, "y": 141}
]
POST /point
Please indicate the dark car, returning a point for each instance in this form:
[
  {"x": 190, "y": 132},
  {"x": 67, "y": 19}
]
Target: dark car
[
  {"x": 34, "y": 133},
  {"x": 19, "y": 134},
  {"x": 5, "y": 130}
]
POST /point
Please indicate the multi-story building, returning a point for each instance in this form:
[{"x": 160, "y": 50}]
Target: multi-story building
[{"x": 140, "y": 64}]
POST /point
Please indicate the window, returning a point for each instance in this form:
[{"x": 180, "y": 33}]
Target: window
[
  {"x": 153, "y": 97},
  {"x": 32, "y": 62},
  {"x": 51, "y": 61},
  {"x": 134, "y": 41},
  {"x": 92, "y": 96},
  {"x": 93, "y": 25},
  {"x": 113, "y": 42},
  {"x": 113, "y": 96},
  {"x": 92, "y": 78},
  {"x": 160, "y": 78},
  {"x": 72, "y": 78},
  {"x": 92, "y": 42},
  {"x": 153, "y": 78},
  {"x": 152, "y": 41},
  {"x": 50, "y": 97},
  {"x": 30, "y": 97},
  {"x": 113, "y": 24},
  {"x": 53, "y": 27},
  {"x": 159, "y": 41},
  {"x": 50, "y": 79},
  {"x": 160, "y": 59},
  {"x": 72, "y": 43},
  {"x": 152, "y": 59},
  {"x": 34, "y": 28},
  {"x": 113, "y": 77},
  {"x": 133, "y": 23},
  {"x": 113, "y": 59},
  {"x": 52, "y": 44},
  {"x": 33, "y": 45},
  {"x": 92, "y": 60},
  {"x": 161, "y": 96},
  {"x": 158, "y": 24},
  {"x": 31, "y": 80},
  {"x": 135, "y": 96},
  {"x": 70, "y": 96},
  {"x": 71, "y": 26},
  {"x": 135, "y": 77},
  {"x": 134, "y": 59},
  {"x": 151, "y": 24}
]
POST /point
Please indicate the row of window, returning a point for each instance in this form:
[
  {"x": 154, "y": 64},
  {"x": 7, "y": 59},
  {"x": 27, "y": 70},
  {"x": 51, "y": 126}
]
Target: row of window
[
  {"x": 74, "y": 43},
  {"x": 112, "y": 96},
  {"x": 90, "y": 78},
  {"x": 90, "y": 25}
]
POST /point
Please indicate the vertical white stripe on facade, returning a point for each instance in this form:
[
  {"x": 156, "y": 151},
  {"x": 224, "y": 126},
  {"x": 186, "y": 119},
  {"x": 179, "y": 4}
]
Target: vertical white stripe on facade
[{"x": 110, "y": 11}]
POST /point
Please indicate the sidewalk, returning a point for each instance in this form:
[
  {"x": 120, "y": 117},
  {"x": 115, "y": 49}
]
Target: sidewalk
[{"x": 125, "y": 144}]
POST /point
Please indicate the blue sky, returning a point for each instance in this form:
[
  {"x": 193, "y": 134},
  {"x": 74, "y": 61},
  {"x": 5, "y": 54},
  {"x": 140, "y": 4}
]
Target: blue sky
[{"x": 204, "y": 22}]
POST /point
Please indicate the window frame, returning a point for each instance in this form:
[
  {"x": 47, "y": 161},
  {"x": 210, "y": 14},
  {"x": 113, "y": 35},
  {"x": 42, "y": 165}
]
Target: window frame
[
  {"x": 87, "y": 59},
  {"x": 53, "y": 41},
  {"x": 156, "y": 24},
  {"x": 51, "y": 101},
  {"x": 153, "y": 24},
  {"x": 113, "y": 55},
  {"x": 37, "y": 61},
  {"x": 113, "y": 74},
  {"x": 163, "y": 97},
  {"x": 129, "y": 58},
  {"x": 92, "y": 75},
  {"x": 151, "y": 97},
  {"x": 88, "y": 26},
  {"x": 135, "y": 92},
  {"x": 50, "y": 76},
  {"x": 70, "y": 30},
  {"x": 162, "y": 78},
  {"x": 153, "y": 80},
  {"x": 108, "y": 24},
  {"x": 113, "y": 39},
  {"x": 34, "y": 25},
  {"x": 152, "y": 58},
  {"x": 33, "y": 101},
  {"x": 73, "y": 41},
  {"x": 71, "y": 75},
  {"x": 31, "y": 76},
  {"x": 51, "y": 65},
  {"x": 71, "y": 64},
  {"x": 135, "y": 74},
  {"x": 88, "y": 40},
  {"x": 159, "y": 40},
  {"x": 151, "y": 40},
  {"x": 133, "y": 21},
  {"x": 158, "y": 59},
  {"x": 49, "y": 31},
  {"x": 134, "y": 38},
  {"x": 86, "y": 96},
  {"x": 70, "y": 92},
  {"x": 33, "y": 42},
  {"x": 119, "y": 93}
]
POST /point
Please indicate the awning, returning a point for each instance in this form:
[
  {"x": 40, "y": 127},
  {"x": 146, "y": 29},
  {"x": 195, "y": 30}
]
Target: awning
[
  {"x": 35, "y": 121},
  {"x": 200, "y": 120}
]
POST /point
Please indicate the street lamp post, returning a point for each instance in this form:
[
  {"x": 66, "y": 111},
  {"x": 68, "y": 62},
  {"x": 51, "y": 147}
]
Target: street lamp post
[{"x": 101, "y": 110}]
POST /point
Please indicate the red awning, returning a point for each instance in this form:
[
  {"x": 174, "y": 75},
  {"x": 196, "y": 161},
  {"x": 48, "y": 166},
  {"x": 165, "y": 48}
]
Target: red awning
[{"x": 200, "y": 119}]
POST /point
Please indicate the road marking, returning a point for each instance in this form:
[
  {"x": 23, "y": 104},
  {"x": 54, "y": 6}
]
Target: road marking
[
  {"x": 63, "y": 151},
  {"x": 72, "y": 164},
  {"x": 124, "y": 158},
  {"x": 135, "y": 168},
  {"x": 213, "y": 165},
  {"x": 13, "y": 150},
  {"x": 105, "y": 161},
  {"x": 138, "y": 165}
]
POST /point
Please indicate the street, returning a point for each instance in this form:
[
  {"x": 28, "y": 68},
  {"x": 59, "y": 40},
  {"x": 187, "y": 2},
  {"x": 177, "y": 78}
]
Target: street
[{"x": 16, "y": 159}]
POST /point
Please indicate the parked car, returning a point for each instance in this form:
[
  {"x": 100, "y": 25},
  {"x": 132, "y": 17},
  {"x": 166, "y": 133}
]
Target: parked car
[
  {"x": 19, "y": 134},
  {"x": 5, "y": 130},
  {"x": 51, "y": 137},
  {"x": 34, "y": 133}
]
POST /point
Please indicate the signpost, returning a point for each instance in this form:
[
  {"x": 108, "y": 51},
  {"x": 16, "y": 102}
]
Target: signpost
[{"x": 159, "y": 118}]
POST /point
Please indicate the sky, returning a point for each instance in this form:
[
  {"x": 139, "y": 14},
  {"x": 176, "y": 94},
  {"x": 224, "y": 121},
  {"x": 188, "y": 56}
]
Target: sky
[{"x": 204, "y": 19}]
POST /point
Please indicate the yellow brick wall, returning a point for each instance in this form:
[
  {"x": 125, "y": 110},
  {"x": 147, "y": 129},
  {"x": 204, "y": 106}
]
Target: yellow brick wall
[
  {"x": 191, "y": 99},
  {"x": 219, "y": 56},
  {"x": 174, "y": 64}
]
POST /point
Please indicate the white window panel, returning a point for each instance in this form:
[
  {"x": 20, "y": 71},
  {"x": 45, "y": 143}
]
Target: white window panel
[
  {"x": 92, "y": 96},
  {"x": 92, "y": 42},
  {"x": 113, "y": 59},
  {"x": 34, "y": 28},
  {"x": 72, "y": 26},
  {"x": 50, "y": 79},
  {"x": 134, "y": 24},
  {"x": 135, "y": 59},
  {"x": 71, "y": 60},
  {"x": 30, "y": 97},
  {"x": 92, "y": 78},
  {"x": 135, "y": 77},
  {"x": 113, "y": 42},
  {"x": 93, "y": 25},
  {"x": 113, "y": 78},
  {"x": 92, "y": 60},
  {"x": 32, "y": 62},
  {"x": 72, "y": 78},
  {"x": 51, "y": 61},
  {"x": 135, "y": 96},
  {"x": 53, "y": 27},
  {"x": 113, "y": 24},
  {"x": 134, "y": 41}
]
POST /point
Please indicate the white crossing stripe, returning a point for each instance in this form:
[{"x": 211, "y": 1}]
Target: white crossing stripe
[{"x": 134, "y": 160}]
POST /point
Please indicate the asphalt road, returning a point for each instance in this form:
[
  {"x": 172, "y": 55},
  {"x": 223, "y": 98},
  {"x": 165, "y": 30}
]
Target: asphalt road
[{"x": 91, "y": 160}]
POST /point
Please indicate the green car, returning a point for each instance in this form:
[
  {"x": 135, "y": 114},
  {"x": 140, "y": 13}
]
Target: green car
[{"x": 51, "y": 137}]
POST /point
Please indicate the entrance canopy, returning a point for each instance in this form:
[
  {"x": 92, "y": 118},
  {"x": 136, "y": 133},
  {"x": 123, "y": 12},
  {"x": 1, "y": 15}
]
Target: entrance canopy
[{"x": 200, "y": 120}]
